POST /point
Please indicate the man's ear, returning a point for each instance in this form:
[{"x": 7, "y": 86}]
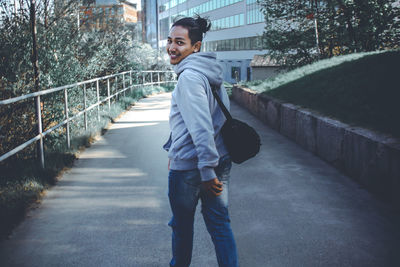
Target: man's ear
[{"x": 197, "y": 46}]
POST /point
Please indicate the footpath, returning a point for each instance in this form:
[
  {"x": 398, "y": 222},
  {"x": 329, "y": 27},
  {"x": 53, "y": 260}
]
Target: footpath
[{"x": 288, "y": 207}]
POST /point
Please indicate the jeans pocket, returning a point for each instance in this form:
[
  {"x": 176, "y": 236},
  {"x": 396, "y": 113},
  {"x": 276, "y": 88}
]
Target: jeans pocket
[
  {"x": 192, "y": 177},
  {"x": 224, "y": 168}
]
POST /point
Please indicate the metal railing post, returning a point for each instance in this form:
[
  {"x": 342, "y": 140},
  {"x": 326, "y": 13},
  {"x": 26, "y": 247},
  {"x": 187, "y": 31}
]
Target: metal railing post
[
  {"x": 98, "y": 100},
  {"x": 130, "y": 81},
  {"x": 151, "y": 79},
  {"x": 123, "y": 83},
  {"x": 108, "y": 94},
  {"x": 40, "y": 130},
  {"x": 158, "y": 78},
  {"x": 116, "y": 87},
  {"x": 67, "y": 117},
  {"x": 85, "y": 106},
  {"x": 143, "y": 81}
]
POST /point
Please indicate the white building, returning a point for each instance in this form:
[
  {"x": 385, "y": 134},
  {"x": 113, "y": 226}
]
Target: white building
[{"x": 235, "y": 35}]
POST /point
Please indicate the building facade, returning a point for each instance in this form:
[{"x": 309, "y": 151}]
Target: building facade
[
  {"x": 109, "y": 15},
  {"x": 149, "y": 17},
  {"x": 235, "y": 35}
]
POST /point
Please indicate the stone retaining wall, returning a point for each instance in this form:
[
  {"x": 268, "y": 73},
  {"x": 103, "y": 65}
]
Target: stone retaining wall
[{"x": 373, "y": 160}]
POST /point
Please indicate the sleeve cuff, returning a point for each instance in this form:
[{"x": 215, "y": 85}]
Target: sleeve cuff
[{"x": 207, "y": 174}]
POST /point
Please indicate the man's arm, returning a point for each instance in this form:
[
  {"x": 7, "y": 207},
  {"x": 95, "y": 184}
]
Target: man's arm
[{"x": 193, "y": 105}]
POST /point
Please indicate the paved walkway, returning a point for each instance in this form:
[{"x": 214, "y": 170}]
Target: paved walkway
[{"x": 288, "y": 208}]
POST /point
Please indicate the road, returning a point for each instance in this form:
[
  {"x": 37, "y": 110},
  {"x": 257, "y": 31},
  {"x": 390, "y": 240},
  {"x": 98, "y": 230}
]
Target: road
[{"x": 288, "y": 207}]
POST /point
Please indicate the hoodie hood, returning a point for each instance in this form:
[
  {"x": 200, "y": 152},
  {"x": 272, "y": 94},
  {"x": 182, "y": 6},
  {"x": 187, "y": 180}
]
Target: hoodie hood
[{"x": 203, "y": 62}]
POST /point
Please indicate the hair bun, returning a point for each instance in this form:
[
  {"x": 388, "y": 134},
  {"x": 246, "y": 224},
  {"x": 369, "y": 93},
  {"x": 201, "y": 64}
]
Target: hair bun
[{"x": 203, "y": 23}]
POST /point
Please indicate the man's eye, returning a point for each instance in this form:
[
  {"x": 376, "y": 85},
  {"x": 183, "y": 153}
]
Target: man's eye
[
  {"x": 179, "y": 43},
  {"x": 168, "y": 41}
]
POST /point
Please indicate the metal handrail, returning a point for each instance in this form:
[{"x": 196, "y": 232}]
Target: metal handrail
[{"x": 39, "y": 137}]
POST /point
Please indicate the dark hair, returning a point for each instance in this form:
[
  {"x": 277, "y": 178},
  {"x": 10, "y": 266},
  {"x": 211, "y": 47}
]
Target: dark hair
[{"x": 196, "y": 27}]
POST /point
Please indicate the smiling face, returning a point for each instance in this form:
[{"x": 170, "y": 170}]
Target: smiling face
[{"x": 179, "y": 44}]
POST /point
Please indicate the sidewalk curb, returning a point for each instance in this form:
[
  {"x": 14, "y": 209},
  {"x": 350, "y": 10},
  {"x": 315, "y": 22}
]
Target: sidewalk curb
[{"x": 371, "y": 159}]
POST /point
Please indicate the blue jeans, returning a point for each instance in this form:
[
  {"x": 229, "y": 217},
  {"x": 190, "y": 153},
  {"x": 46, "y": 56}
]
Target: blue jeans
[{"x": 184, "y": 191}]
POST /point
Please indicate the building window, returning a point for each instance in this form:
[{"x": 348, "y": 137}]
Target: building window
[
  {"x": 248, "y": 74},
  {"x": 248, "y": 43},
  {"x": 227, "y": 22},
  {"x": 211, "y": 5},
  {"x": 161, "y": 8},
  {"x": 254, "y": 14},
  {"x": 235, "y": 73},
  {"x": 164, "y": 28}
]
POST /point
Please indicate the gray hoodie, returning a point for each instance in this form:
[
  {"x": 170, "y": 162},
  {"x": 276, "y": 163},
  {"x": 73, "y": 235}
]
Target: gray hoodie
[{"x": 195, "y": 118}]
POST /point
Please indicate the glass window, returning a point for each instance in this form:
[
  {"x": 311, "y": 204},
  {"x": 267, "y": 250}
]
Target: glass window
[
  {"x": 241, "y": 43},
  {"x": 241, "y": 16},
  {"x": 246, "y": 43},
  {"x": 251, "y": 42},
  {"x": 237, "y": 20},
  {"x": 164, "y": 28},
  {"x": 232, "y": 44},
  {"x": 235, "y": 73},
  {"x": 236, "y": 45}
]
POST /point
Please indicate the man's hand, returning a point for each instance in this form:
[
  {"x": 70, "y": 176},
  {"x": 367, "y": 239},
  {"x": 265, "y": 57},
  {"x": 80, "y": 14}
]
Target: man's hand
[{"x": 213, "y": 187}]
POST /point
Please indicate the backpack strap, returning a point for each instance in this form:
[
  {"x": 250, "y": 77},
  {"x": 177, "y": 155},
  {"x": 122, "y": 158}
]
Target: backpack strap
[{"x": 228, "y": 116}]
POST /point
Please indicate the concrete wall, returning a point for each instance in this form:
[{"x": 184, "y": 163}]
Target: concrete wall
[
  {"x": 262, "y": 73},
  {"x": 372, "y": 159}
]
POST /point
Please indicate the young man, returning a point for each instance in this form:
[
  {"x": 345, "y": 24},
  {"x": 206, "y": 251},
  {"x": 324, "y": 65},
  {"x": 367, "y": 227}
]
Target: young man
[{"x": 199, "y": 163}]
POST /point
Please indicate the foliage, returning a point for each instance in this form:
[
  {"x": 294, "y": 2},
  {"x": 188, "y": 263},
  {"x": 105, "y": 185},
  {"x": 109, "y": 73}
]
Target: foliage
[
  {"x": 228, "y": 88},
  {"x": 304, "y": 71},
  {"x": 362, "y": 90},
  {"x": 300, "y": 32},
  {"x": 67, "y": 54}
]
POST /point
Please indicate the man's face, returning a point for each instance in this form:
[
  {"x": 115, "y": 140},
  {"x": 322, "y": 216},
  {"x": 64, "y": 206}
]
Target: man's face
[{"x": 179, "y": 45}]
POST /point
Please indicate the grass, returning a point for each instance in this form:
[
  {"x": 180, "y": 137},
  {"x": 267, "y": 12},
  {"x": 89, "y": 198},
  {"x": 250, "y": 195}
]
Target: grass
[
  {"x": 23, "y": 182},
  {"x": 228, "y": 88},
  {"x": 361, "y": 89}
]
